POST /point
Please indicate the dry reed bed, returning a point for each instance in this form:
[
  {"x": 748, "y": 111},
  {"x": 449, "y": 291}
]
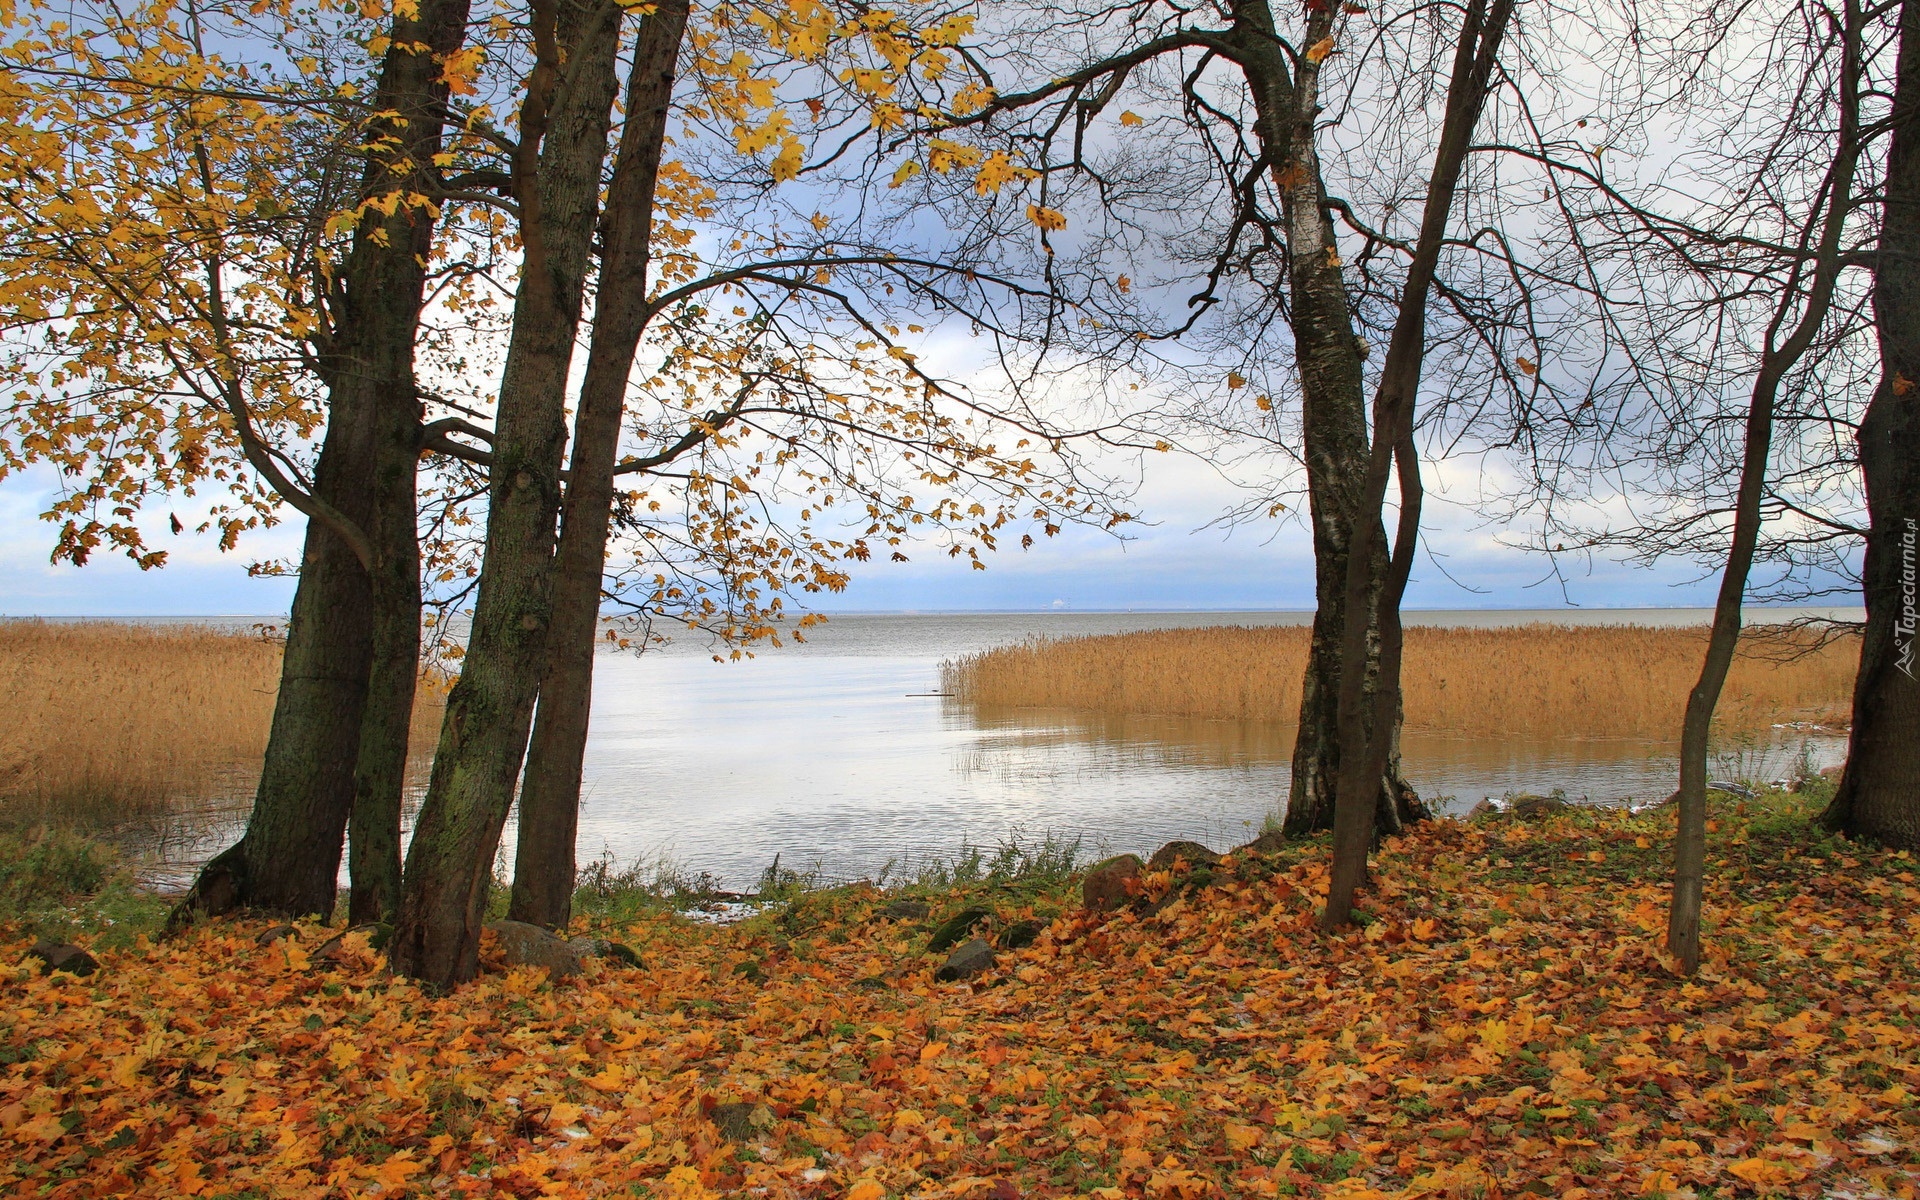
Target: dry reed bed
[
  {"x": 107, "y": 714},
  {"x": 1579, "y": 681}
]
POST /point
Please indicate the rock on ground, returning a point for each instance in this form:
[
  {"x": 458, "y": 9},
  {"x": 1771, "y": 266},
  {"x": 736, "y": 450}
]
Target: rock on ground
[
  {"x": 63, "y": 956},
  {"x": 954, "y": 928},
  {"x": 903, "y": 910},
  {"x": 1537, "y": 806},
  {"x": 970, "y": 959},
  {"x": 1268, "y": 842},
  {"x": 597, "y": 947},
  {"x": 525, "y": 945},
  {"x": 1105, "y": 887},
  {"x": 739, "y": 1121},
  {"x": 1020, "y": 935},
  {"x": 1194, "y": 854}
]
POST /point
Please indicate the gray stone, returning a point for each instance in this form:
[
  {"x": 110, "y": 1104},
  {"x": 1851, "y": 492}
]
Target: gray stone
[
  {"x": 525, "y": 945},
  {"x": 903, "y": 910},
  {"x": 1192, "y": 853},
  {"x": 1538, "y": 806},
  {"x": 969, "y": 959},
  {"x": 1020, "y": 935},
  {"x": 1105, "y": 887},
  {"x": 63, "y": 956},
  {"x": 587, "y": 946},
  {"x": 954, "y": 928},
  {"x": 1486, "y": 808},
  {"x": 1269, "y": 841},
  {"x": 739, "y": 1121}
]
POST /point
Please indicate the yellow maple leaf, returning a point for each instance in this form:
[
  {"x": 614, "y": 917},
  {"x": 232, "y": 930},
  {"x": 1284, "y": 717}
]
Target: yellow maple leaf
[
  {"x": 996, "y": 173},
  {"x": 1242, "y": 1138},
  {"x": 395, "y": 1172},
  {"x": 1046, "y": 218},
  {"x": 44, "y": 1128},
  {"x": 1319, "y": 50},
  {"x": 1131, "y": 118},
  {"x": 866, "y": 1189},
  {"x": 1761, "y": 1172}
]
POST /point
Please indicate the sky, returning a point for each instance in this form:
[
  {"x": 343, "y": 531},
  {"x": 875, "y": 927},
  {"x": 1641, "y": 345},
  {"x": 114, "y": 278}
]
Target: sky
[{"x": 1169, "y": 562}]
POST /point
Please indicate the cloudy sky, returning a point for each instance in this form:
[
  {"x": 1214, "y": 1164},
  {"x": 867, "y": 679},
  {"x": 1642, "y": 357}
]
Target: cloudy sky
[{"x": 1170, "y": 563}]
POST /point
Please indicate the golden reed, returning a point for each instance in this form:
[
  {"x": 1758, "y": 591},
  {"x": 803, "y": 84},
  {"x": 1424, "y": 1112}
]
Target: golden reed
[
  {"x": 1577, "y": 681},
  {"x": 106, "y": 714}
]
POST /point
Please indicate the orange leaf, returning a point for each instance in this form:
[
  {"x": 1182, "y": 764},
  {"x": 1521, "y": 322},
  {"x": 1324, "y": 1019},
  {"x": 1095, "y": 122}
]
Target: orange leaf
[{"x": 1046, "y": 218}]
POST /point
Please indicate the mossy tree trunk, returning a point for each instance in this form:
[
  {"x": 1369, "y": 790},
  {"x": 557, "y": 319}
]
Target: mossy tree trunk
[
  {"x": 564, "y": 127},
  {"x": 373, "y": 867},
  {"x": 288, "y": 860},
  {"x": 543, "y": 872}
]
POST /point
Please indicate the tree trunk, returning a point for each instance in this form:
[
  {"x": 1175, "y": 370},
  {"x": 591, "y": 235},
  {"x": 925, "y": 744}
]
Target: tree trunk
[
  {"x": 1690, "y": 842},
  {"x": 1879, "y": 795},
  {"x": 373, "y": 865},
  {"x": 1824, "y": 226},
  {"x": 1365, "y": 746},
  {"x": 1333, "y": 410},
  {"x": 543, "y": 871},
  {"x": 288, "y": 861},
  {"x": 484, "y": 738},
  {"x": 1316, "y": 747}
]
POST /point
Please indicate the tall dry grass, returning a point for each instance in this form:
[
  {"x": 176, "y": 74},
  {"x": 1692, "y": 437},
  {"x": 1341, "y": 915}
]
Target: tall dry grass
[
  {"x": 118, "y": 719},
  {"x": 1584, "y": 681}
]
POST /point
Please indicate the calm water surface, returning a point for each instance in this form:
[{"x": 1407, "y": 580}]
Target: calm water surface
[{"x": 831, "y": 755}]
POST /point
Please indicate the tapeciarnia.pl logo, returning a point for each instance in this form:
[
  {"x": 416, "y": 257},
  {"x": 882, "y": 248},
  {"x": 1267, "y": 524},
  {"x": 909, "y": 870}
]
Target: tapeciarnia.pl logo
[{"x": 1904, "y": 624}]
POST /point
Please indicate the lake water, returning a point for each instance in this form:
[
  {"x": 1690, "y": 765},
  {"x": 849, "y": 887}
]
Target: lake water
[{"x": 832, "y": 755}]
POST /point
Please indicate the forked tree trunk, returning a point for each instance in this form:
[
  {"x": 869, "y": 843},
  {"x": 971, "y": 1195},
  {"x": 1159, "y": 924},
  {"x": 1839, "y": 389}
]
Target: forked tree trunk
[
  {"x": 543, "y": 870},
  {"x": 1821, "y": 233},
  {"x": 1879, "y": 795},
  {"x": 1373, "y": 604},
  {"x": 1333, "y": 409},
  {"x": 484, "y": 737},
  {"x": 288, "y": 861}
]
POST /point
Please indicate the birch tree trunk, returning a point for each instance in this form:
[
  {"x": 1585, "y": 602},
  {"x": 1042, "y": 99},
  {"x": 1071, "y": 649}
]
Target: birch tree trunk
[{"x": 1328, "y": 357}]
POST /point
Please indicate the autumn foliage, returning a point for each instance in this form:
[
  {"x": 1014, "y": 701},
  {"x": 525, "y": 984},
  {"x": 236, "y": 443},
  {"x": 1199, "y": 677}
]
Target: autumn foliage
[{"x": 1504, "y": 1024}]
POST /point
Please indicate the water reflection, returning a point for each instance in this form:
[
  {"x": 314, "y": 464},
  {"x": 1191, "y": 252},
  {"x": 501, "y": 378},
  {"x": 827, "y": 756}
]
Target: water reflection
[{"x": 834, "y": 758}]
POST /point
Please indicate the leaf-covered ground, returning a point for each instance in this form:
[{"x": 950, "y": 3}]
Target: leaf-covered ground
[{"x": 1505, "y": 1025}]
